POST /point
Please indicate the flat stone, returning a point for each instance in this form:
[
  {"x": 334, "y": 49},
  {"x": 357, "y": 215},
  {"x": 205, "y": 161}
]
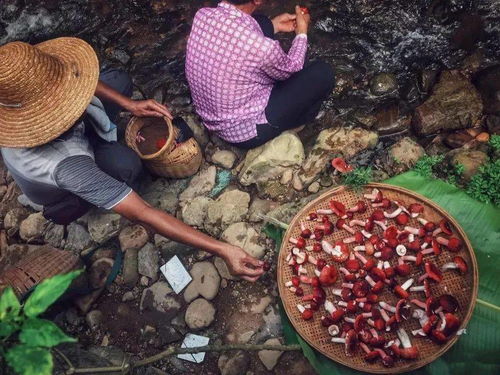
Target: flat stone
[
  {"x": 159, "y": 297},
  {"x": 270, "y": 358},
  {"x": 234, "y": 363},
  {"x": 244, "y": 236},
  {"x": 201, "y": 184},
  {"x": 78, "y": 238},
  {"x": 133, "y": 237},
  {"x": 314, "y": 187},
  {"x": 163, "y": 194},
  {"x": 205, "y": 283},
  {"x": 199, "y": 314},
  {"x": 224, "y": 158},
  {"x": 104, "y": 225},
  {"x": 148, "y": 259},
  {"x": 32, "y": 228},
  {"x": 194, "y": 211},
  {"x": 390, "y": 121}
]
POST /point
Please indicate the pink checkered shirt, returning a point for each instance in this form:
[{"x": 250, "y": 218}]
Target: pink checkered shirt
[{"x": 231, "y": 68}]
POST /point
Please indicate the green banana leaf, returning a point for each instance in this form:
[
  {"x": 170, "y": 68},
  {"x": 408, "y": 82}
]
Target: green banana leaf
[{"x": 477, "y": 351}]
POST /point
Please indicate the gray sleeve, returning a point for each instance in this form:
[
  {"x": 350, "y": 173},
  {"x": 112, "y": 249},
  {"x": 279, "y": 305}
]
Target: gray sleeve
[{"x": 81, "y": 176}]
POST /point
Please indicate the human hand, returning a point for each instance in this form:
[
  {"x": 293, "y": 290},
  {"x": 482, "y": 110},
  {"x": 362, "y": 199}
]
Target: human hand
[
  {"x": 302, "y": 20},
  {"x": 148, "y": 108},
  {"x": 284, "y": 23},
  {"x": 241, "y": 264}
]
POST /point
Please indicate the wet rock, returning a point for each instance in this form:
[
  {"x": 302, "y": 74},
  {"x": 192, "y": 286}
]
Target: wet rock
[
  {"x": 458, "y": 139},
  {"x": 383, "y": 83},
  {"x": 13, "y": 218},
  {"x": 244, "y": 236},
  {"x": 224, "y": 158},
  {"x": 206, "y": 281},
  {"x": 33, "y": 227},
  {"x": 104, "y": 225},
  {"x": 427, "y": 79},
  {"x": 488, "y": 84},
  {"x": 260, "y": 207},
  {"x": 199, "y": 314},
  {"x": 471, "y": 160},
  {"x": 403, "y": 155},
  {"x": 222, "y": 269},
  {"x": 94, "y": 318},
  {"x": 234, "y": 363},
  {"x": 200, "y": 184},
  {"x": 148, "y": 259},
  {"x": 194, "y": 211},
  {"x": 159, "y": 297},
  {"x": 78, "y": 238},
  {"x": 99, "y": 272},
  {"x": 335, "y": 142},
  {"x": 54, "y": 235},
  {"x": 130, "y": 272},
  {"x": 133, "y": 237},
  {"x": 454, "y": 104},
  {"x": 103, "y": 252},
  {"x": 229, "y": 208},
  {"x": 270, "y": 358},
  {"x": 390, "y": 121},
  {"x": 271, "y": 159}
]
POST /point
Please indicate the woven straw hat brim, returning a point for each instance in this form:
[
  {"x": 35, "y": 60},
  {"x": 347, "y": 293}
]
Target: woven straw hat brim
[{"x": 51, "y": 110}]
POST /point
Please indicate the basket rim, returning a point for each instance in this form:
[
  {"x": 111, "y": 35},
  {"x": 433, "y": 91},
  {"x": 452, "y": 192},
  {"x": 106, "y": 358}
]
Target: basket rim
[
  {"x": 133, "y": 145},
  {"x": 411, "y": 365}
]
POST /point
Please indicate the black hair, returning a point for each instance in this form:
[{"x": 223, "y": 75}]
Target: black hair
[{"x": 238, "y": 2}]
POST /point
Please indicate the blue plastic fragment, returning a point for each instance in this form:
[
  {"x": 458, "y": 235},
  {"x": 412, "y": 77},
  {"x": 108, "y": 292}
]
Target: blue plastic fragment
[{"x": 223, "y": 179}]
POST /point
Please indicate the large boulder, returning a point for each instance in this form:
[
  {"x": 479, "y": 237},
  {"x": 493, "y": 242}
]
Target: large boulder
[
  {"x": 402, "y": 156},
  {"x": 244, "y": 236},
  {"x": 454, "y": 104},
  {"x": 231, "y": 207},
  {"x": 338, "y": 141},
  {"x": 272, "y": 159}
]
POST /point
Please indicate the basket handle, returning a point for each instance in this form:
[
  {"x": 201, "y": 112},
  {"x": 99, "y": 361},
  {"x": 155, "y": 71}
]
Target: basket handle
[{"x": 131, "y": 142}]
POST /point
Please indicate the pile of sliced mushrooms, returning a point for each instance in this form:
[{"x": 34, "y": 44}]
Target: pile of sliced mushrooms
[{"x": 364, "y": 265}]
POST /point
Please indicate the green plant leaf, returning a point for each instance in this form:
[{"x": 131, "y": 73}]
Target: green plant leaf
[
  {"x": 47, "y": 292},
  {"x": 7, "y": 329},
  {"x": 41, "y": 332},
  {"x": 357, "y": 178},
  {"x": 26, "y": 360},
  {"x": 9, "y": 305}
]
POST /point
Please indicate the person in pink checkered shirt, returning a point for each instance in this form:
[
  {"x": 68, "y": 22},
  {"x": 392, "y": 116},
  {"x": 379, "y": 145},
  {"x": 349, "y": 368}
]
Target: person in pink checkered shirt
[{"x": 245, "y": 88}]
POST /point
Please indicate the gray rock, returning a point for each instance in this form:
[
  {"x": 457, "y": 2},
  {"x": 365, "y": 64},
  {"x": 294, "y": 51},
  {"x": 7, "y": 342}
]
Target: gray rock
[
  {"x": 205, "y": 282},
  {"x": 99, "y": 272},
  {"x": 104, "y": 225},
  {"x": 229, "y": 208},
  {"x": 32, "y": 228},
  {"x": 270, "y": 358},
  {"x": 163, "y": 194},
  {"x": 454, "y": 104},
  {"x": 194, "y": 211},
  {"x": 260, "y": 207},
  {"x": 54, "y": 234},
  {"x": 488, "y": 83},
  {"x": 314, "y": 187},
  {"x": 159, "y": 297},
  {"x": 222, "y": 269},
  {"x": 270, "y": 160},
  {"x": 383, "y": 83},
  {"x": 130, "y": 272},
  {"x": 94, "y": 318},
  {"x": 244, "y": 236},
  {"x": 169, "y": 248},
  {"x": 333, "y": 142},
  {"x": 128, "y": 296},
  {"x": 78, "y": 238},
  {"x": 133, "y": 237},
  {"x": 200, "y": 133},
  {"x": 148, "y": 259},
  {"x": 234, "y": 363},
  {"x": 471, "y": 160},
  {"x": 403, "y": 155},
  {"x": 286, "y": 212},
  {"x": 224, "y": 158},
  {"x": 201, "y": 184},
  {"x": 199, "y": 314}
]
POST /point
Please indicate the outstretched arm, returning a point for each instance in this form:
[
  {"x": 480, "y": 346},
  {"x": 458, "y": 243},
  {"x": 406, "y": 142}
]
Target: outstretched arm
[
  {"x": 239, "y": 262},
  {"x": 140, "y": 108}
]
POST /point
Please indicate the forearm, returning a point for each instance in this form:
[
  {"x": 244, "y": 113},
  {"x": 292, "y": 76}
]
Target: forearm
[{"x": 106, "y": 92}]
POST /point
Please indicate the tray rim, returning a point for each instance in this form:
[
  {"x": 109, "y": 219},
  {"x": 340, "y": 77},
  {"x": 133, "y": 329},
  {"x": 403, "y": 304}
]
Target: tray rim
[{"x": 474, "y": 270}]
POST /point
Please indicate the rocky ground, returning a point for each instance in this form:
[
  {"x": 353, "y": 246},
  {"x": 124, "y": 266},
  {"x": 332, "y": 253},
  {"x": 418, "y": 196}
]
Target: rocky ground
[{"x": 427, "y": 86}]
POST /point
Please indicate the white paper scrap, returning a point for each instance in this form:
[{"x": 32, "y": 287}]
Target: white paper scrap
[
  {"x": 175, "y": 273},
  {"x": 193, "y": 341}
]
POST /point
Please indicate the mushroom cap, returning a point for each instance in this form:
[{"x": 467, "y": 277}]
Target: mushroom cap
[
  {"x": 352, "y": 265},
  {"x": 403, "y": 311},
  {"x": 429, "y": 226},
  {"x": 361, "y": 206},
  {"x": 346, "y": 294},
  {"x": 452, "y": 323},
  {"x": 436, "y": 247},
  {"x": 439, "y": 336},
  {"x": 360, "y": 288},
  {"x": 445, "y": 227},
  {"x": 409, "y": 353},
  {"x": 414, "y": 245},
  {"x": 454, "y": 244},
  {"x": 433, "y": 272},
  {"x": 416, "y": 208},
  {"x": 359, "y": 323},
  {"x": 386, "y": 253},
  {"x": 431, "y": 304},
  {"x": 338, "y": 207},
  {"x": 391, "y": 232},
  {"x": 371, "y": 356},
  {"x": 365, "y": 336},
  {"x": 448, "y": 303},
  {"x": 328, "y": 276},
  {"x": 338, "y": 163},
  {"x": 427, "y": 289},
  {"x": 461, "y": 264},
  {"x": 403, "y": 269},
  {"x": 378, "y": 215},
  {"x": 430, "y": 324},
  {"x": 401, "y": 292},
  {"x": 378, "y": 273},
  {"x": 306, "y": 233},
  {"x": 358, "y": 237},
  {"x": 340, "y": 223},
  {"x": 402, "y": 219},
  {"x": 337, "y": 315},
  {"x": 351, "y": 340}
]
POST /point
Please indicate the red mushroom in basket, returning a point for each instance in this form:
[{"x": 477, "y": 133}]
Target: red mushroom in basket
[
  {"x": 448, "y": 303},
  {"x": 339, "y": 253},
  {"x": 445, "y": 227},
  {"x": 458, "y": 264},
  {"x": 350, "y": 340},
  {"x": 341, "y": 224},
  {"x": 432, "y": 272},
  {"x": 339, "y": 164},
  {"x": 357, "y": 238},
  {"x": 328, "y": 276},
  {"x": 387, "y": 360},
  {"x": 453, "y": 243},
  {"x": 425, "y": 287},
  {"x": 415, "y": 209},
  {"x": 408, "y": 351},
  {"x": 298, "y": 242},
  {"x": 385, "y": 203},
  {"x": 359, "y": 207},
  {"x": 370, "y": 355},
  {"x": 401, "y": 290},
  {"x": 305, "y": 232},
  {"x": 338, "y": 208},
  {"x": 375, "y": 196},
  {"x": 352, "y": 264},
  {"x": 326, "y": 227}
]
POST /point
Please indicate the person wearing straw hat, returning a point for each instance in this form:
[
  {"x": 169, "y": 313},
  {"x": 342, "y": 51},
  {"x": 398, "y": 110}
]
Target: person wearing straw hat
[{"x": 60, "y": 145}]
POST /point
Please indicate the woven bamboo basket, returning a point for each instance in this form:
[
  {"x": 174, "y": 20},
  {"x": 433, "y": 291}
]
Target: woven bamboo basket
[
  {"x": 463, "y": 288},
  {"x": 177, "y": 161},
  {"x": 38, "y": 266}
]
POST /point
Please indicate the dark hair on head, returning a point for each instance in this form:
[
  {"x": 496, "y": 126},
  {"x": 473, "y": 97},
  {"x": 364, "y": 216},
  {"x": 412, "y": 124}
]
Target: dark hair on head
[{"x": 238, "y": 2}]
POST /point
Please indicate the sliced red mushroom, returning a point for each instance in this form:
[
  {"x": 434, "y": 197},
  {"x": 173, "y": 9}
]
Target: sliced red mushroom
[
  {"x": 340, "y": 165},
  {"x": 403, "y": 310},
  {"x": 359, "y": 207},
  {"x": 452, "y": 244},
  {"x": 458, "y": 264},
  {"x": 338, "y": 208}
]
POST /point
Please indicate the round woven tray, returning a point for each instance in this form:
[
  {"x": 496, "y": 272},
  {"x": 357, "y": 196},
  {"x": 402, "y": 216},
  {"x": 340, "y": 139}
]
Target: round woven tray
[{"x": 463, "y": 288}]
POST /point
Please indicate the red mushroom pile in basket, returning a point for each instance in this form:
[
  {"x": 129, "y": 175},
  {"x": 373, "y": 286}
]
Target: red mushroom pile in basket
[{"x": 364, "y": 266}]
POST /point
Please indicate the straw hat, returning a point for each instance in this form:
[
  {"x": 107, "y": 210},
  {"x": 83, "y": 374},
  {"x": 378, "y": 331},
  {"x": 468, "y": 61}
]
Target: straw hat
[{"x": 44, "y": 89}]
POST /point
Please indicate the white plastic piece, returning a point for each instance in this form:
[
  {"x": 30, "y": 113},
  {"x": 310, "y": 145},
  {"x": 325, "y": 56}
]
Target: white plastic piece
[
  {"x": 401, "y": 250},
  {"x": 333, "y": 330}
]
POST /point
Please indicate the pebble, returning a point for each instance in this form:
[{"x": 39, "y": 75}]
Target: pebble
[
  {"x": 199, "y": 314},
  {"x": 270, "y": 358},
  {"x": 94, "y": 318},
  {"x": 128, "y": 296},
  {"x": 133, "y": 237},
  {"x": 205, "y": 283},
  {"x": 224, "y": 158},
  {"x": 314, "y": 187},
  {"x": 286, "y": 177},
  {"x": 78, "y": 238}
]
